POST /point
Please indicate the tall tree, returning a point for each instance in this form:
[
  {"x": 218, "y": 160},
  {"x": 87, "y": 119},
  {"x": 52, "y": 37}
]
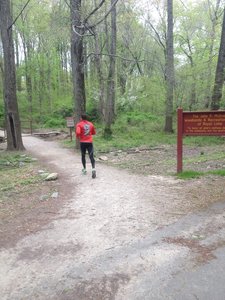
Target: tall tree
[
  {"x": 219, "y": 77},
  {"x": 81, "y": 28},
  {"x": 213, "y": 14},
  {"x": 169, "y": 69},
  {"x": 77, "y": 58},
  {"x": 110, "y": 102},
  {"x": 13, "y": 127}
]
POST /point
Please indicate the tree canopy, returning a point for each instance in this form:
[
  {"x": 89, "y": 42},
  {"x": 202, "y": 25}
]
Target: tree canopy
[{"x": 123, "y": 57}]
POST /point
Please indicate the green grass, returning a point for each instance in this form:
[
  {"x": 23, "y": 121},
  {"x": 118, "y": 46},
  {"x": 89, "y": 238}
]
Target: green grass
[
  {"x": 189, "y": 174},
  {"x": 217, "y": 172},
  {"x": 195, "y": 174},
  {"x": 16, "y": 172}
]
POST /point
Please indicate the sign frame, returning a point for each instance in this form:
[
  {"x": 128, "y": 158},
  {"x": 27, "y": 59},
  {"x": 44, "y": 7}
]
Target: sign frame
[{"x": 70, "y": 123}]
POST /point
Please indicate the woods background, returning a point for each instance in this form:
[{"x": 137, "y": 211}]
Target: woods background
[{"x": 111, "y": 58}]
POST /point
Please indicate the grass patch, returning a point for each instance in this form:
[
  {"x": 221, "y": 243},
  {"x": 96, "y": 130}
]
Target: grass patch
[
  {"x": 217, "y": 172},
  {"x": 189, "y": 175},
  {"x": 18, "y": 173},
  {"x": 195, "y": 174}
]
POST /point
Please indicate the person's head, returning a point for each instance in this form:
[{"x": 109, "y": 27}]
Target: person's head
[{"x": 84, "y": 117}]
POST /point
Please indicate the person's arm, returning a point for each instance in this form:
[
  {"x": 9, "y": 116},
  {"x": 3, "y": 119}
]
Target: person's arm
[{"x": 78, "y": 131}]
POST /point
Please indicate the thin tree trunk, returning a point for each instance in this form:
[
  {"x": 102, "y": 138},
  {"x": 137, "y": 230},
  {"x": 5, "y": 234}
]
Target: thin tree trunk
[
  {"x": 77, "y": 59},
  {"x": 100, "y": 79},
  {"x": 110, "y": 105},
  {"x": 219, "y": 78},
  {"x": 211, "y": 47},
  {"x": 18, "y": 77},
  {"x": 169, "y": 69}
]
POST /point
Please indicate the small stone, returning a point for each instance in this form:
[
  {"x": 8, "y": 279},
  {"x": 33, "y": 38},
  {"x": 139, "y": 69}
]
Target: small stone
[
  {"x": 104, "y": 158},
  {"x": 52, "y": 176},
  {"x": 43, "y": 197},
  {"x": 41, "y": 171},
  {"x": 198, "y": 237},
  {"x": 55, "y": 195},
  {"x": 44, "y": 175}
]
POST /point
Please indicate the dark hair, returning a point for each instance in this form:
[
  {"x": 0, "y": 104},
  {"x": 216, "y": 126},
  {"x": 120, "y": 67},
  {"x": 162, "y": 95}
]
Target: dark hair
[{"x": 84, "y": 117}]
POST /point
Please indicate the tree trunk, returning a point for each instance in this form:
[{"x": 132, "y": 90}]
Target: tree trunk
[
  {"x": 219, "y": 78},
  {"x": 77, "y": 59},
  {"x": 213, "y": 19},
  {"x": 110, "y": 105},
  {"x": 169, "y": 69},
  {"x": 98, "y": 64},
  {"x": 29, "y": 88},
  {"x": 13, "y": 126},
  {"x": 18, "y": 77}
]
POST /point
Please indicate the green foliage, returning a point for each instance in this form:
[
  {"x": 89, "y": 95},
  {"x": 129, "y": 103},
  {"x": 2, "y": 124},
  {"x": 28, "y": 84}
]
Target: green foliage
[
  {"x": 58, "y": 117},
  {"x": 189, "y": 174},
  {"x": 54, "y": 123},
  {"x": 218, "y": 172},
  {"x": 63, "y": 112},
  {"x": 143, "y": 94},
  {"x": 195, "y": 174},
  {"x": 134, "y": 129}
]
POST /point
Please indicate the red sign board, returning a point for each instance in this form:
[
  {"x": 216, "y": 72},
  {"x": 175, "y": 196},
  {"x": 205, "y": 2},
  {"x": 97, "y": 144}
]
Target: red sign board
[
  {"x": 204, "y": 123},
  {"x": 197, "y": 124}
]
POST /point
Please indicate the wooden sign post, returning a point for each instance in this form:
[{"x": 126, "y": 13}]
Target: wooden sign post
[
  {"x": 70, "y": 125},
  {"x": 202, "y": 123}
]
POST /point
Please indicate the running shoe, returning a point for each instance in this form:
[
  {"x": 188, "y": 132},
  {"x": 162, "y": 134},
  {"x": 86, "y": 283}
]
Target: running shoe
[
  {"x": 84, "y": 171},
  {"x": 93, "y": 173}
]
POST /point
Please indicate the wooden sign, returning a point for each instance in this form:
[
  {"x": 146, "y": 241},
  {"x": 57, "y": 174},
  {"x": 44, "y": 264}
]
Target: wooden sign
[
  {"x": 70, "y": 122},
  {"x": 203, "y": 123}
]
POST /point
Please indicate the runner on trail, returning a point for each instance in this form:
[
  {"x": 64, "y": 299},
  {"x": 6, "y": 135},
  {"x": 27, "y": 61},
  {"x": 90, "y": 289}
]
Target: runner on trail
[{"x": 84, "y": 132}]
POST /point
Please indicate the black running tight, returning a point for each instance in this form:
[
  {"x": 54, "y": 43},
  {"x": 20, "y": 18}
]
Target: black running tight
[{"x": 87, "y": 147}]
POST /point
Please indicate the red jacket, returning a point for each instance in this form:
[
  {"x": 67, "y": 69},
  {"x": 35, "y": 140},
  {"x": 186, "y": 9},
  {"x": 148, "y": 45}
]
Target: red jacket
[{"x": 84, "y": 131}]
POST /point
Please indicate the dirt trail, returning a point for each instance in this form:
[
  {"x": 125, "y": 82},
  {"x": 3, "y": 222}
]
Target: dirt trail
[{"x": 107, "y": 241}]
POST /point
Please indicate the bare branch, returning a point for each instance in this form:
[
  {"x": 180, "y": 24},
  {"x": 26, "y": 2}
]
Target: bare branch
[
  {"x": 94, "y": 10},
  {"x": 85, "y": 26},
  {"x": 19, "y": 15},
  {"x": 159, "y": 40},
  {"x": 106, "y": 15},
  {"x": 118, "y": 56},
  {"x": 183, "y": 4}
]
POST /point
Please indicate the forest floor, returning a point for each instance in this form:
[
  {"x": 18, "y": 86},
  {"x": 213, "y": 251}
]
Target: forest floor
[{"x": 80, "y": 245}]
